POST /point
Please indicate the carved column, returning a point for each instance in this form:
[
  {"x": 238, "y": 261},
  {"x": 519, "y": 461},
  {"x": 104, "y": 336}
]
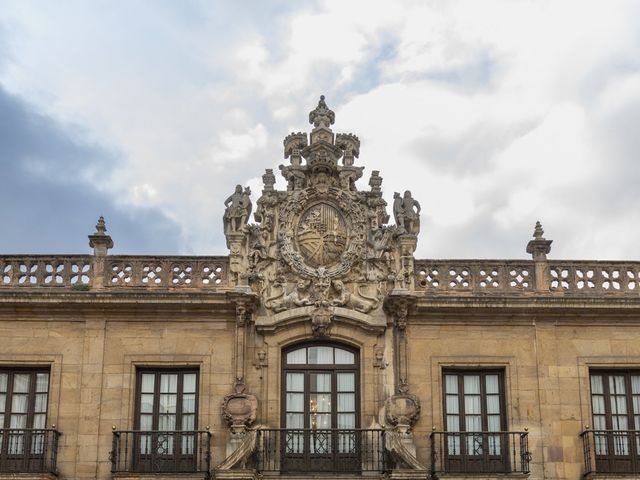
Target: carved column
[
  {"x": 539, "y": 247},
  {"x": 101, "y": 243}
]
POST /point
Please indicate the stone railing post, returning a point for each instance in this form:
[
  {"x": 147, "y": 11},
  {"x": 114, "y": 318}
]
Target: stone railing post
[
  {"x": 539, "y": 247},
  {"x": 101, "y": 243}
]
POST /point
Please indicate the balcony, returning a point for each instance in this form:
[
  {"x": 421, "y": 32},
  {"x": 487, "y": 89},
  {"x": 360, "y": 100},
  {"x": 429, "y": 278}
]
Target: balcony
[
  {"x": 346, "y": 451},
  {"x": 29, "y": 450},
  {"x": 611, "y": 452},
  {"x": 161, "y": 452},
  {"x": 479, "y": 453}
]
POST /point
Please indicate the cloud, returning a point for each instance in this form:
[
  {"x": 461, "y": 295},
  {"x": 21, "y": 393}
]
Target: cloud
[
  {"x": 495, "y": 114},
  {"x": 50, "y": 197}
]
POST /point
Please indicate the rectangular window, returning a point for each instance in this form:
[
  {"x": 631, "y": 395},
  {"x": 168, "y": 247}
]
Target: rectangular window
[
  {"x": 475, "y": 422},
  {"x": 615, "y": 405},
  {"x": 166, "y": 416},
  {"x": 23, "y": 411}
]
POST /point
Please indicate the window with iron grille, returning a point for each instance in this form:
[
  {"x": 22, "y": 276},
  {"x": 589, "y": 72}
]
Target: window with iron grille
[
  {"x": 166, "y": 418},
  {"x": 24, "y": 396},
  {"x": 474, "y": 410},
  {"x": 615, "y": 404}
]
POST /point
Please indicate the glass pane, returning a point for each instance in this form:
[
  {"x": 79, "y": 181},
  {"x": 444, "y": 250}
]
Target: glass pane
[
  {"x": 321, "y": 355},
  {"x": 599, "y": 422},
  {"x": 493, "y": 423},
  {"x": 295, "y": 382},
  {"x": 189, "y": 383},
  {"x": 636, "y": 407},
  {"x": 472, "y": 384},
  {"x": 167, "y": 422},
  {"x": 346, "y": 382},
  {"x": 42, "y": 382},
  {"x": 619, "y": 422},
  {"x": 619, "y": 405},
  {"x": 295, "y": 402},
  {"x": 320, "y": 420},
  {"x": 472, "y": 404},
  {"x": 146, "y": 422},
  {"x": 168, "y": 403},
  {"x": 295, "y": 420},
  {"x": 320, "y": 382},
  {"x": 635, "y": 384},
  {"x": 146, "y": 403},
  {"x": 19, "y": 403},
  {"x": 145, "y": 444},
  {"x": 320, "y": 443},
  {"x": 3, "y": 382},
  {"x": 189, "y": 422},
  {"x": 493, "y": 404},
  {"x": 596, "y": 384},
  {"x": 3, "y": 399},
  {"x": 346, "y": 402},
  {"x": 41, "y": 402},
  {"x": 452, "y": 404},
  {"x": 18, "y": 421},
  {"x": 453, "y": 423},
  {"x": 294, "y": 442},
  {"x": 491, "y": 382},
  {"x": 319, "y": 402},
  {"x": 616, "y": 384},
  {"x": 473, "y": 423},
  {"x": 168, "y": 383},
  {"x": 188, "y": 444},
  {"x": 343, "y": 357},
  {"x": 39, "y": 420},
  {"x": 346, "y": 420},
  {"x": 21, "y": 382},
  {"x": 147, "y": 383},
  {"x": 189, "y": 403},
  {"x": 165, "y": 444},
  {"x": 598, "y": 405},
  {"x": 297, "y": 357},
  {"x": 451, "y": 383}
]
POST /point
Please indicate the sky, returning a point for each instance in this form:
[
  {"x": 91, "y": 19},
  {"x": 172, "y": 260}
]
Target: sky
[{"x": 494, "y": 114}]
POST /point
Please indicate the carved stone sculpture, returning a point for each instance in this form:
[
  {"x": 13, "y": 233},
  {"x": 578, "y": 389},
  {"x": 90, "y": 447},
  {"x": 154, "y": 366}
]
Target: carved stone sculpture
[
  {"x": 406, "y": 212},
  {"x": 238, "y": 209}
]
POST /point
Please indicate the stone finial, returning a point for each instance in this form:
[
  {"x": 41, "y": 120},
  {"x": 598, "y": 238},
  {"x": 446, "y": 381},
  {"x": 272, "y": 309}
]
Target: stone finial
[
  {"x": 538, "y": 231},
  {"x": 322, "y": 116},
  {"x": 375, "y": 181},
  {"x": 100, "y": 241},
  {"x": 269, "y": 180},
  {"x": 539, "y": 247}
]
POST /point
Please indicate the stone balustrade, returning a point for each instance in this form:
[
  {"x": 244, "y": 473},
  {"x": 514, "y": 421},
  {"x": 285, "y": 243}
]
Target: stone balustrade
[
  {"x": 198, "y": 272},
  {"x": 115, "y": 272}
]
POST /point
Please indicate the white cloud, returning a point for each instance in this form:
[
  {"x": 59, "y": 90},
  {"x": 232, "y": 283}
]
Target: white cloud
[{"x": 494, "y": 113}]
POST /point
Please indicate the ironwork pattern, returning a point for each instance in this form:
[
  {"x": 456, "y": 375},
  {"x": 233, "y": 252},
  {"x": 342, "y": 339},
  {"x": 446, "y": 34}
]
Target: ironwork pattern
[
  {"x": 322, "y": 450},
  {"x": 147, "y": 451},
  {"x": 611, "y": 451},
  {"x": 480, "y": 452},
  {"x": 28, "y": 450}
]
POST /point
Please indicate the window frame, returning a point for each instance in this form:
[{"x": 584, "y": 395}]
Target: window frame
[
  {"x": 144, "y": 461},
  {"x": 30, "y": 439},
  {"x": 612, "y": 461},
  {"x": 306, "y": 460},
  {"x": 460, "y": 460}
]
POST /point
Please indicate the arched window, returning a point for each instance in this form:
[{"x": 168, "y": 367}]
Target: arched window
[{"x": 320, "y": 407}]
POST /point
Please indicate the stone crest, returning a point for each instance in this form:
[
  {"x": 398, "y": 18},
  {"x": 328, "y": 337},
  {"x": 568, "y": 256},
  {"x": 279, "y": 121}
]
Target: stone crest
[{"x": 322, "y": 242}]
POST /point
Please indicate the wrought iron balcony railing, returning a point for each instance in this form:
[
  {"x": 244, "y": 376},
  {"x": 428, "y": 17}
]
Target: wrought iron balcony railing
[
  {"x": 327, "y": 450},
  {"x": 611, "y": 451},
  {"x": 28, "y": 450},
  {"x": 145, "y": 451},
  {"x": 480, "y": 452}
]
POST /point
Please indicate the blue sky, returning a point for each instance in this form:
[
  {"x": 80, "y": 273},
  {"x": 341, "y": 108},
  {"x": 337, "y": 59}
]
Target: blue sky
[{"x": 494, "y": 113}]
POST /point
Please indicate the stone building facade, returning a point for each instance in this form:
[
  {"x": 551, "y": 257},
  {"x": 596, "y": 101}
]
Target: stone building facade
[{"x": 318, "y": 347}]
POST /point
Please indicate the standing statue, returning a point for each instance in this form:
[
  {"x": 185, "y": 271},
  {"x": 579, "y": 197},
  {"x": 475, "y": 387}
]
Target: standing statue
[
  {"x": 406, "y": 212},
  {"x": 238, "y": 209}
]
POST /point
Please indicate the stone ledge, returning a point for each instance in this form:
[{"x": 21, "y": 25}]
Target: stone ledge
[
  {"x": 480, "y": 476},
  {"x": 159, "y": 476},
  {"x": 28, "y": 476}
]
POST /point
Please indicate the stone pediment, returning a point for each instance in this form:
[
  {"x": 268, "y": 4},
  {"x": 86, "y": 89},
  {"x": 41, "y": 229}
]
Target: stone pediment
[{"x": 321, "y": 246}]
